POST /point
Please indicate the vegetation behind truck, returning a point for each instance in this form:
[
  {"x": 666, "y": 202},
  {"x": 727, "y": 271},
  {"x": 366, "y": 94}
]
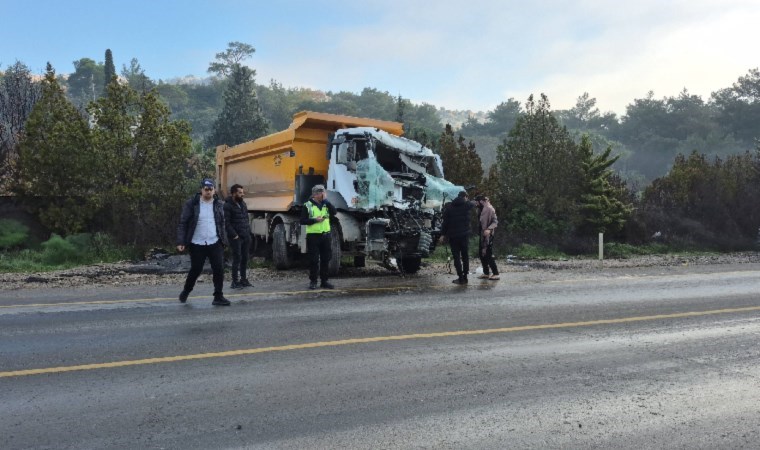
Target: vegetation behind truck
[{"x": 388, "y": 190}]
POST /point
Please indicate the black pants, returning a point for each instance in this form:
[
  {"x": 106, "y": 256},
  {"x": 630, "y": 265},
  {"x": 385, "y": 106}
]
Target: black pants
[
  {"x": 198, "y": 255},
  {"x": 461, "y": 252},
  {"x": 240, "y": 248},
  {"x": 486, "y": 257},
  {"x": 320, "y": 253}
]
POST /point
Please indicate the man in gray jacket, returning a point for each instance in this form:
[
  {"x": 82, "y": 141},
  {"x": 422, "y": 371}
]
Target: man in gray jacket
[{"x": 488, "y": 224}]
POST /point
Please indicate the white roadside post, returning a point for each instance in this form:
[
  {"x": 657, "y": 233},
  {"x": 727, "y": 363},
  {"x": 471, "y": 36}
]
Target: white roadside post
[{"x": 601, "y": 246}]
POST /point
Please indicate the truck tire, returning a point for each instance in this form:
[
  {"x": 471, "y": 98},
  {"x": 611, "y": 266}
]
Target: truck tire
[
  {"x": 411, "y": 264},
  {"x": 360, "y": 261},
  {"x": 336, "y": 238},
  {"x": 280, "y": 255}
]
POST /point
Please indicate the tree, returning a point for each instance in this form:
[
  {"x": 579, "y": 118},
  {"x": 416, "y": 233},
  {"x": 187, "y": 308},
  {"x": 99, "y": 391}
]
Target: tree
[
  {"x": 503, "y": 118},
  {"x": 708, "y": 203},
  {"x": 461, "y": 163},
  {"x": 278, "y": 104},
  {"x": 739, "y": 107},
  {"x": 423, "y": 120},
  {"x": 227, "y": 60},
  {"x": 109, "y": 69},
  {"x": 136, "y": 77},
  {"x": 18, "y": 95},
  {"x": 145, "y": 158},
  {"x": 602, "y": 206},
  {"x": 241, "y": 119},
  {"x": 58, "y": 169},
  {"x": 539, "y": 173},
  {"x": 400, "y": 107},
  {"x": 84, "y": 84}
]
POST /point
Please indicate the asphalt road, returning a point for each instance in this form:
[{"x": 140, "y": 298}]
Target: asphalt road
[{"x": 634, "y": 358}]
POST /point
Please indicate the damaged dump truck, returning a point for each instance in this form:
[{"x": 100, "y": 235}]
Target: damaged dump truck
[{"x": 388, "y": 190}]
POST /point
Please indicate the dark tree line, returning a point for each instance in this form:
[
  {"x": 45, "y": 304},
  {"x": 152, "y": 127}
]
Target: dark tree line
[{"x": 556, "y": 176}]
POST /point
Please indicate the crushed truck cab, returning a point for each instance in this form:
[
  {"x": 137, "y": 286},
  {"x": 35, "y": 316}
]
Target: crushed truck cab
[{"x": 388, "y": 190}]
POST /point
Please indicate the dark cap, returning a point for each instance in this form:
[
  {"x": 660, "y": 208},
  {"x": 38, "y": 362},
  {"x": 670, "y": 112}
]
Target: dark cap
[
  {"x": 480, "y": 197},
  {"x": 208, "y": 182},
  {"x": 462, "y": 194}
]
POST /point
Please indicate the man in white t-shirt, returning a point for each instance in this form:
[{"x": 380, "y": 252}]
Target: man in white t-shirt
[{"x": 202, "y": 231}]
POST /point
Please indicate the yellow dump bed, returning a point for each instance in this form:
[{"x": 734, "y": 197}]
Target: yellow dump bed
[{"x": 267, "y": 167}]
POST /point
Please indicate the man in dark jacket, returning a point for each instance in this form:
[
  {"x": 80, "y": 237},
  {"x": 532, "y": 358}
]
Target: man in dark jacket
[
  {"x": 316, "y": 214},
  {"x": 456, "y": 228},
  {"x": 201, "y": 229},
  {"x": 239, "y": 235}
]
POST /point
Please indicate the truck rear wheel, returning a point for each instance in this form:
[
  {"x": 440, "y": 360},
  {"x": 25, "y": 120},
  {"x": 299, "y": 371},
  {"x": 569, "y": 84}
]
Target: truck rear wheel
[
  {"x": 411, "y": 264},
  {"x": 280, "y": 254},
  {"x": 335, "y": 241}
]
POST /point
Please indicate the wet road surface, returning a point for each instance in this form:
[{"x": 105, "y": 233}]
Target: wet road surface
[{"x": 660, "y": 357}]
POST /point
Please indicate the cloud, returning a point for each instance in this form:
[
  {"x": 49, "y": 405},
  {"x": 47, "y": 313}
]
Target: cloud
[{"x": 476, "y": 54}]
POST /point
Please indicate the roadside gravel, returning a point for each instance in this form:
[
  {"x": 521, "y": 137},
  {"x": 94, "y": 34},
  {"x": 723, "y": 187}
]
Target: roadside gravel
[{"x": 172, "y": 269}]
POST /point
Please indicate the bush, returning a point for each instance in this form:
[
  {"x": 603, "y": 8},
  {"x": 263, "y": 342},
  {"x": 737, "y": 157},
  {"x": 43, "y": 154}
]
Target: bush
[
  {"x": 59, "y": 253},
  {"x": 527, "y": 251},
  {"x": 57, "y": 250},
  {"x": 13, "y": 234},
  {"x": 618, "y": 250}
]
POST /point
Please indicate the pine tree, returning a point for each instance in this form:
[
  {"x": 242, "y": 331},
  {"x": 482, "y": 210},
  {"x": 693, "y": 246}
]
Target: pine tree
[
  {"x": 539, "y": 171},
  {"x": 602, "y": 208},
  {"x": 58, "y": 169},
  {"x": 241, "y": 119},
  {"x": 461, "y": 163},
  {"x": 109, "y": 69},
  {"x": 146, "y": 156}
]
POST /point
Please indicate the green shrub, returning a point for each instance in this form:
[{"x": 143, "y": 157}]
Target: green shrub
[
  {"x": 618, "y": 250},
  {"x": 58, "y": 251},
  {"x": 13, "y": 234},
  {"x": 104, "y": 248}
]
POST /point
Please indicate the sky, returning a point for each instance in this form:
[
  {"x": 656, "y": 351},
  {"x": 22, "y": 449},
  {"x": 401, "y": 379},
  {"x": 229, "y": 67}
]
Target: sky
[{"x": 463, "y": 54}]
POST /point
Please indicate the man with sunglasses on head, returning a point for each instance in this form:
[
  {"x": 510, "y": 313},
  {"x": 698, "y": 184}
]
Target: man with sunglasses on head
[{"x": 202, "y": 231}]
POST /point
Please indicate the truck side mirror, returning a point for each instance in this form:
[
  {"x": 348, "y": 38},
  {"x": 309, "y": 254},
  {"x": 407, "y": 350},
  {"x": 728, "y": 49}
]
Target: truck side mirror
[{"x": 329, "y": 145}]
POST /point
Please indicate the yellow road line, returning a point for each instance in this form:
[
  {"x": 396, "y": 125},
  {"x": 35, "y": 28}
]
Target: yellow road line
[
  {"x": 253, "y": 351},
  {"x": 174, "y": 299}
]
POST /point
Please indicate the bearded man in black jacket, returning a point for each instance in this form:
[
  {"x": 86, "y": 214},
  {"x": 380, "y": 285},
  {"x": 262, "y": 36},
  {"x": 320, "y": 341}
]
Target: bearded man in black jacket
[
  {"x": 239, "y": 235},
  {"x": 456, "y": 228}
]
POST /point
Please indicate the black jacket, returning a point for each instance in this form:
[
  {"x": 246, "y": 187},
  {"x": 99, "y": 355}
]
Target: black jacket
[
  {"x": 306, "y": 220},
  {"x": 189, "y": 219},
  {"x": 236, "y": 218},
  {"x": 456, "y": 218}
]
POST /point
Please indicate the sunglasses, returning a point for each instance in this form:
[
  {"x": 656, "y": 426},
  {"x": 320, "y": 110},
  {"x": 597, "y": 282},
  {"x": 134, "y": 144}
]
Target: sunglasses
[{"x": 208, "y": 189}]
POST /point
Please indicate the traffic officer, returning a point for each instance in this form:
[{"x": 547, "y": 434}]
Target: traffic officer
[{"x": 316, "y": 215}]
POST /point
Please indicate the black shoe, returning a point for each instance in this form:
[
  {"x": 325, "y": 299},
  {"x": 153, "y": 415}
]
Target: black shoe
[
  {"x": 245, "y": 283},
  {"x": 183, "y": 296},
  {"x": 236, "y": 285},
  {"x": 220, "y": 301},
  {"x": 313, "y": 285},
  {"x": 327, "y": 285},
  {"x": 460, "y": 280}
]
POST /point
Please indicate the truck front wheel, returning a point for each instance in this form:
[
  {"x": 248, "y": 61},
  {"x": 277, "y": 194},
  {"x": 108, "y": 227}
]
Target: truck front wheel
[
  {"x": 411, "y": 264},
  {"x": 280, "y": 255},
  {"x": 337, "y": 254}
]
